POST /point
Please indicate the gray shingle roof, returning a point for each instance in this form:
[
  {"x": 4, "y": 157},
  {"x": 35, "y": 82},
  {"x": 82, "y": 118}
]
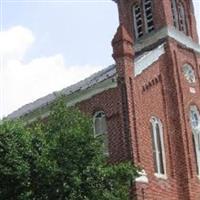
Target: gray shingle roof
[
  {"x": 141, "y": 63},
  {"x": 82, "y": 85}
]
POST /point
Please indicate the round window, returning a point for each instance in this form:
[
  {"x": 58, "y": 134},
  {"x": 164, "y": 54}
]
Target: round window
[{"x": 189, "y": 73}]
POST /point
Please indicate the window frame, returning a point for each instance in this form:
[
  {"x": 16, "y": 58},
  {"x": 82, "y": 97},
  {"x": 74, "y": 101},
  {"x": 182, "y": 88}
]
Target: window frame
[
  {"x": 103, "y": 135},
  {"x": 158, "y": 172},
  {"x": 182, "y": 17},
  {"x": 136, "y": 27},
  {"x": 190, "y": 77},
  {"x": 143, "y": 17},
  {"x": 175, "y": 13},
  {"x": 196, "y": 135},
  {"x": 179, "y": 15}
]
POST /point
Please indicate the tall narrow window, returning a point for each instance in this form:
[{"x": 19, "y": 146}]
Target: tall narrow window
[
  {"x": 195, "y": 124},
  {"x": 179, "y": 16},
  {"x": 158, "y": 146},
  {"x": 143, "y": 13},
  {"x": 138, "y": 25},
  {"x": 100, "y": 129},
  {"x": 148, "y": 16},
  {"x": 174, "y": 13},
  {"x": 182, "y": 18}
]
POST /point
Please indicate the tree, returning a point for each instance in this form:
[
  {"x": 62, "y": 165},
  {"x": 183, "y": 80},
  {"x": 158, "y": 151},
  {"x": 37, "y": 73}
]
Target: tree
[
  {"x": 14, "y": 166},
  {"x": 64, "y": 161}
]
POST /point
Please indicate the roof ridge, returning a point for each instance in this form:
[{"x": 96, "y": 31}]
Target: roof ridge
[{"x": 42, "y": 101}]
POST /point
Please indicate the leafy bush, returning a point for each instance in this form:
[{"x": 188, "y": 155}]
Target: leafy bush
[{"x": 58, "y": 159}]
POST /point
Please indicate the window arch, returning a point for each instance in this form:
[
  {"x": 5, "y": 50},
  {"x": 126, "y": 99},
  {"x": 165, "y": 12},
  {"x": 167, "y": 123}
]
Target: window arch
[
  {"x": 195, "y": 124},
  {"x": 158, "y": 146},
  {"x": 100, "y": 129}
]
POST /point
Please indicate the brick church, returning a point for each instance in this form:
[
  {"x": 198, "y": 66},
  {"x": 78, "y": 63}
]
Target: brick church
[{"x": 146, "y": 106}]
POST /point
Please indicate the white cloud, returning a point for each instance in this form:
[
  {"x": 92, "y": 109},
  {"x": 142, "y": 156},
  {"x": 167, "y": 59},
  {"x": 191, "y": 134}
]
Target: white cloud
[
  {"x": 21, "y": 83},
  {"x": 15, "y": 42},
  {"x": 197, "y": 14}
]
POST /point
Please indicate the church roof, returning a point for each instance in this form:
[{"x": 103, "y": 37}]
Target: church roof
[
  {"x": 82, "y": 85},
  {"x": 141, "y": 63}
]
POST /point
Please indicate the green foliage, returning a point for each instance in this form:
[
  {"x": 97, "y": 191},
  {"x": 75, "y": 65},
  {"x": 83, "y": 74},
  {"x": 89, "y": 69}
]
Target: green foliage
[
  {"x": 14, "y": 155},
  {"x": 59, "y": 159}
]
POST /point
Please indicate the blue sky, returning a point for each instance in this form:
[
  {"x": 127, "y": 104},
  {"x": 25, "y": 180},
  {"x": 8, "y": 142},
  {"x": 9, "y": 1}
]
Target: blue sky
[
  {"x": 80, "y": 31},
  {"x": 46, "y": 46}
]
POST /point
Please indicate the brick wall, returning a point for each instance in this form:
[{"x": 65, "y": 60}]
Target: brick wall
[
  {"x": 110, "y": 102},
  {"x": 161, "y": 91}
]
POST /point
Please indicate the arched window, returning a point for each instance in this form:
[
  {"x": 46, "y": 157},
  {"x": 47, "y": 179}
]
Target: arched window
[
  {"x": 195, "y": 124},
  {"x": 179, "y": 16},
  {"x": 143, "y": 13},
  {"x": 100, "y": 129},
  {"x": 138, "y": 24},
  {"x": 158, "y": 146},
  {"x": 182, "y": 18},
  {"x": 174, "y": 13},
  {"x": 148, "y": 16}
]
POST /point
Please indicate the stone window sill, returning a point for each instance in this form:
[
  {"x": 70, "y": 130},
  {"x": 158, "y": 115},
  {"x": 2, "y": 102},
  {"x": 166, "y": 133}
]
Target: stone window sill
[{"x": 161, "y": 176}]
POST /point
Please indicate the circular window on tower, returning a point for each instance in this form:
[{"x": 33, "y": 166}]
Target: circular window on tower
[{"x": 189, "y": 73}]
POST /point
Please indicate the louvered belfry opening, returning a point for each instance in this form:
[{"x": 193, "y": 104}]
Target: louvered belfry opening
[{"x": 143, "y": 18}]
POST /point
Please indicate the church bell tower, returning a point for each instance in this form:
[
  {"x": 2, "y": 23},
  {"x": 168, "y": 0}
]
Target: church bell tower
[
  {"x": 158, "y": 64},
  {"x": 143, "y": 18}
]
